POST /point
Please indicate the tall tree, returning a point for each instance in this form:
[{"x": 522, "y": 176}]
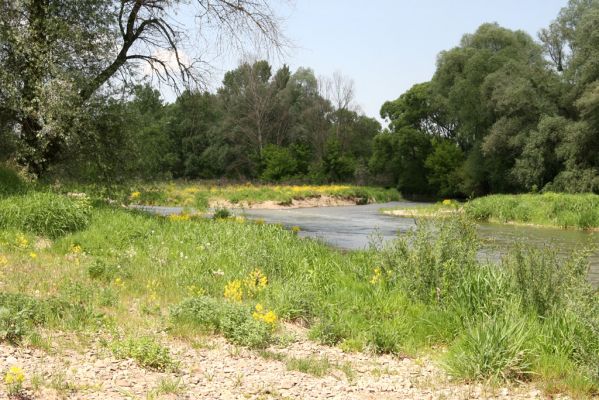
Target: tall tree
[{"x": 56, "y": 54}]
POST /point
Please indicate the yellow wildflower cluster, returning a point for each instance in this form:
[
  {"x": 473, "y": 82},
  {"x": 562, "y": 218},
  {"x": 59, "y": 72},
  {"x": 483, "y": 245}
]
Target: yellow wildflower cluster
[
  {"x": 3, "y": 261},
  {"x": 33, "y": 255},
  {"x": 21, "y": 241},
  {"x": 376, "y": 276},
  {"x": 234, "y": 291},
  {"x": 135, "y": 195},
  {"x": 447, "y": 202},
  {"x": 76, "y": 249},
  {"x": 179, "y": 217},
  {"x": 14, "y": 379},
  {"x": 266, "y": 316},
  {"x": 253, "y": 283},
  {"x": 295, "y": 229},
  {"x": 192, "y": 190}
]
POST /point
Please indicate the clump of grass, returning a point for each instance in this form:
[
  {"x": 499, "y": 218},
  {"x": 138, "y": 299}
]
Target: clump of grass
[
  {"x": 45, "y": 214},
  {"x": 550, "y": 209},
  {"x": 315, "y": 366},
  {"x": 147, "y": 352},
  {"x": 496, "y": 348}
]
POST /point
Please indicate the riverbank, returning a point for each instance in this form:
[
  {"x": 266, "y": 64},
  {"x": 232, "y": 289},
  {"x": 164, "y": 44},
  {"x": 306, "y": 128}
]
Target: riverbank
[
  {"x": 204, "y": 195},
  {"x": 560, "y": 210},
  {"x": 105, "y": 286}
]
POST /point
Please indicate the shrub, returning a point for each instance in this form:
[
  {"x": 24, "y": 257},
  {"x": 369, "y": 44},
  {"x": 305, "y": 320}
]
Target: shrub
[
  {"x": 146, "y": 352},
  {"x": 221, "y": 213},
  {"x": 44, "y": 214},
  {"x": 10, "y": 182},
  {"x": 234, "y": 321},
  {"x": 18, "y": 314}
]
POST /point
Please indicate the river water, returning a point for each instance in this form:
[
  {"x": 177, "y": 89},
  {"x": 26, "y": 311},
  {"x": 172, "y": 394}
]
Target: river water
[{"x": 353, "y": 227}]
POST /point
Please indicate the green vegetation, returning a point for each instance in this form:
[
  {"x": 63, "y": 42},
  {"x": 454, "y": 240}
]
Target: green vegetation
[
  {"x": 503, "y": 113},
  {"x": 549, "y": 209},
  {"x": 202, "y": 195},
  {"x": 146, "y": 352},
  {"x": 44, "y": 214},
  {"x": 128, "y": 275}
]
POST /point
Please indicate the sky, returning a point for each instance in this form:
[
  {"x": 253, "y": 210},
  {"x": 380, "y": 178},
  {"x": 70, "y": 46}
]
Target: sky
[{"x": 386, "y": 46}]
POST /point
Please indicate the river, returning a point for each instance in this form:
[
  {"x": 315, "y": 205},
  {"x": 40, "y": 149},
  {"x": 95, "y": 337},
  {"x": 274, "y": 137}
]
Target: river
[{"x": 353, "y": 227}]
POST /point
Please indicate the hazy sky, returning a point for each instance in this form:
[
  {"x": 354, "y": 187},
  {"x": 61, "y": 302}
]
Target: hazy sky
[{"x": 386, "y": 46}]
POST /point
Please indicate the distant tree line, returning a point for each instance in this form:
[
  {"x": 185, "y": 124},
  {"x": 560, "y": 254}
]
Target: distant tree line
[
  {"x": 503, "y": 113},
  {"x": 260, "y": 124}
]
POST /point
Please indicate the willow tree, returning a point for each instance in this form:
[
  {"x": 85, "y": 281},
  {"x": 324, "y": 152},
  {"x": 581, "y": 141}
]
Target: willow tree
[{"x": 56, "y": 55}]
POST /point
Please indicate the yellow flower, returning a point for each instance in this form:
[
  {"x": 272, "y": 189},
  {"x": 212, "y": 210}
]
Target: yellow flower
[
  {"x": 33, "y": 255},
  {"x": 376, "y": 276},
  {"x": 233, "y": 291},
  {"x": 179, "y": 217},
  {"x": 135, "y": 195},
  {"x": 255, "y": 282},
  {"x": 447, "y": 202},
  {"x": 3, "y": 261},
  {"x": 22, "y": 241},
  {"x": 14, "y": 377},
  {"x": 76, "y": 249},
  {"x": 119, "y": 282},
  {"x": 268, "y": 317},
  {"x": 295, "y": 229}
]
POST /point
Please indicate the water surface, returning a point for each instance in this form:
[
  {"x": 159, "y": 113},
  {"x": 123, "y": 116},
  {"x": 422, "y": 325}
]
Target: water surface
[{"x": 352, "y": 228}]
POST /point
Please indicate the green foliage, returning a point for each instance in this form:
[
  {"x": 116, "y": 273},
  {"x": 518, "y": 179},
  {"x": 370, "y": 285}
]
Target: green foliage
[
  {"x": 222, "y": 213},
  {"x": 279, "y": 163},
  {"x": 234, "y": 321},
  {"x": 10, "y": 182},
  {"x": 497, "y": 347},
  {"x": 44, "y": 214},
  {"x": 564, "y": 210},
  {"x": 18, "y": 315},
  {"x": 147, "y": 352}
]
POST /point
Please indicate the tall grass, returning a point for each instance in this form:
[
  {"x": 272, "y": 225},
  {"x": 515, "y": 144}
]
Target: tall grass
[
  {"x": 551, "y": 209},
  {"x": 44, "y": 214}
]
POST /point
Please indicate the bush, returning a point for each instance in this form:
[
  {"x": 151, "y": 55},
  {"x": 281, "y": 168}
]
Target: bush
[
  {"x": 234, "y": 321},
  {"x": 146, "y": 352},
  {"x": 44, "y": 214},
  {"x": 10, "y": 182},
  {"x": 18, "y": 314},
  {"x": 221, "y": 213}
]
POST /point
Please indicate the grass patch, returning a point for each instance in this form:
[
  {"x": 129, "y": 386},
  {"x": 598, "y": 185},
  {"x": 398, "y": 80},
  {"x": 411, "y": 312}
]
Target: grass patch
[
  {"x": 316, "y": 366},
  {"x": 44, "y": 214},
  {"x": 563, "y": 210}
]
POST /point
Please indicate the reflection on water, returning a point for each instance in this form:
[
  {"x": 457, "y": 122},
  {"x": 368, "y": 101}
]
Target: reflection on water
[{"x": 352, "y": 228}]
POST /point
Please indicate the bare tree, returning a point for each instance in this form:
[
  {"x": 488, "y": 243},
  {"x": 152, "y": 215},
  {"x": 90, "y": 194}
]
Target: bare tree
[{"x": 339, "y": 90}]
